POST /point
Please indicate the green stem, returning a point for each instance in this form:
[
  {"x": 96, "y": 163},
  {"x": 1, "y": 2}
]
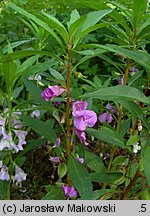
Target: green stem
[
  {"x": 68, "y": 142},
  {"x": 10, "y": 153}
]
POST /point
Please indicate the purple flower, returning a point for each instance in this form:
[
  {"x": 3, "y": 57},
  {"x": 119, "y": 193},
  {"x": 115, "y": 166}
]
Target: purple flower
[
  {"x": 55, "y": 159},
  {"x": 107, "y": 156},
  {"x": 1, "y": 164},
  {"x": 81, "y": 135},
  {"x": 4, "y": 175},
  {"x": 7, "y": 142},
  {"x": 121, "y": 81},
  {"x": 81, "y": 160},
  {"x": 35, "y": 113},
  {"x": 57, "y": 143},
  {"x": 51, "y": 92},
  {"x": 16, "y": 123},
  {"x": 21, "y": 136},
  {"x": 69, "y": 191},
  {"x": 57, "y": 103},
  {"x": 2, "y": 121},
  {"x": 84, "y": 118},
  {"x": 107, "y": 117},
  {"x": 79, "y": 106},
  {"x": 133, "y": 69},
  {"x": 20, "y": 176},
  {"x": 111, "y": 108}
]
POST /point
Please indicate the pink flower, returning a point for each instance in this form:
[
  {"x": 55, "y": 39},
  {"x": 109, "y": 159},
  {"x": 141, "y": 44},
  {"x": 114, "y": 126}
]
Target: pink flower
[
  {"x": 69, "y": 191},
  {"x": 55, "y": 159},
  {"x": 107, "y": 117},
  {"x": 79, "y": 106},
  {"x": 81, "y": 160},
  {"x": 51, "y": 92},
  {"x": 57, "y": 143},
  {"x": 81, "y": 135},
  {"x": 83, "y": 117}
]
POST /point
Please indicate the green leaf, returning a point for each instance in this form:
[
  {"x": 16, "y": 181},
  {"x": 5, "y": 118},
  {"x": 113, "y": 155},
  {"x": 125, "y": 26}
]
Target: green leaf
[
  {"x": 80, "y": 178},
  {"x": 139, "y": 8},
  {"x": 26, "y": 64},
  {"x": 39, "y": 68},
  {"x": 3, "y": 154},
  {"x": 20, "y": 161},
  {"x": 73, "y": 17},
  {"x": 85, "y": 22},
  {"x": 9, "y": 73},
  {"x": 132, "y": 140},
  {"x": 138, "y": 56},
  {"x": 120, "y": 160},
  {"x": 55, "y": 193},
  {"x": 110, "y": 178},
  {"x": 146, "y": 161},
  {"x": 21, "y": 54},
  {"x": 58, "y": 26},
  {"x": 107, "y": 135},
  {"x": 17, "y": 91},
  {"x": 16, "y": 44},
  {"x": 33, "y": 90},
  {"x": 36, "y": 20},
  {"x": 94, "y": 162},
  {"x": 135, "y": 109},
  {"x": 32, "y": 144},
  {"x": 62, "y": 170},
  {"x": 124, "y": 127},
  {"x": 99, "y": 193},
  {"x": 4, "y": 187},
  {"x": 40, "y": 127},
  {"x": 117, "y": 93},
  {"x": 56, "y": 74}
]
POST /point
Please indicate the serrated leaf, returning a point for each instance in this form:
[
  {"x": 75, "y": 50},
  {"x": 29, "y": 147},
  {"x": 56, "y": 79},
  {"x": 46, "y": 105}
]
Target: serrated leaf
[
  {"x": 58, "y": 26},
  {"x": 21, "y": 54},
  {"x": 139, "y": 8},
  {"x": 80, "y": 178},
  {"x": 94, "y": 162},
  {"x": 32, "y": 144},
  {"x": 40, "y": 127},
  {"x": 36, "y": 20},
  {"x": 138, "y": 56},
  {"x": 117, "y": 93},
  {"x": 105, "y": 178},
  {"x": 107, "y": 135},
  {"x": 55, "y": 193}
]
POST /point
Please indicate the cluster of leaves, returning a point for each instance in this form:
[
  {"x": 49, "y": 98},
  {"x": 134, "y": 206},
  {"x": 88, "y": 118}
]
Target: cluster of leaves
[{"x": 105, "y": 42}]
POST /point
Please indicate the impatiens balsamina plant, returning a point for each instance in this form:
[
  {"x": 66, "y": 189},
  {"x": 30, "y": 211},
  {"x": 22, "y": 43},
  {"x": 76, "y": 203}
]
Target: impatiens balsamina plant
[{"x": 95, "y": 129}]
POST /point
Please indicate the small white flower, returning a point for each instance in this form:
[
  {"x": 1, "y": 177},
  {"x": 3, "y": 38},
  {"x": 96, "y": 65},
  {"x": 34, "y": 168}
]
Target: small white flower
[{"x": 136, "y": 148}]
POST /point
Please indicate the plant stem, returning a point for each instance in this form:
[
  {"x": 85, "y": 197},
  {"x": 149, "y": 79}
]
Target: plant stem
[
  {"x": 68, "y": 143},
  {"x": 113, "y": 150},
  {"x": 126, "y": 72}
]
